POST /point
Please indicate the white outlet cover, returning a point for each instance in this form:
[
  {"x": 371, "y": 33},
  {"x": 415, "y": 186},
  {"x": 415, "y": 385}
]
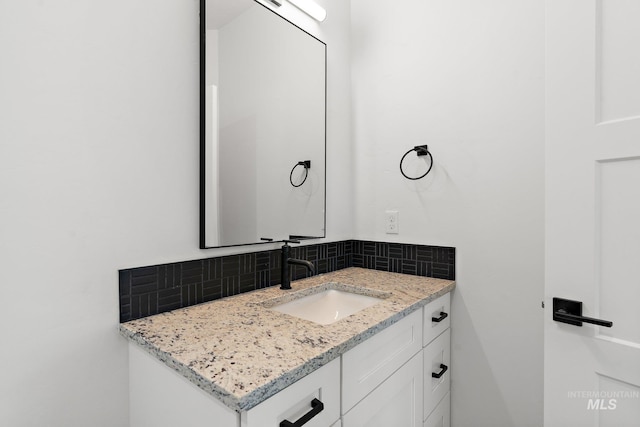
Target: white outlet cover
[{"x": 391, "y": 222}]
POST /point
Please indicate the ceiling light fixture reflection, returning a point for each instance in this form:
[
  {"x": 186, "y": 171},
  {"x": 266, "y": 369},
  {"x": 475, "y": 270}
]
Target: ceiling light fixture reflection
[{"x": 311, "y": 8}]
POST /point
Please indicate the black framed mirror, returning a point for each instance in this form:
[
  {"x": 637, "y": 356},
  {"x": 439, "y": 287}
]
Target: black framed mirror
[{"x": 262, "y": 126}]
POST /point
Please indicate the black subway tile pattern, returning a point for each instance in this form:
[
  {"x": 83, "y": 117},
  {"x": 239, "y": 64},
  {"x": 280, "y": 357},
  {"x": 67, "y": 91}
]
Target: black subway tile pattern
[
  {"x": 420, "y": 260},
  {"x": 146, "y": 291}
]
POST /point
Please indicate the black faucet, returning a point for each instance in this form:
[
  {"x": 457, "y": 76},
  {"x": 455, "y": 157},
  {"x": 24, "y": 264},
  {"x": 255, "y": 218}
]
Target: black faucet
[{"x": 285, "y": 271}]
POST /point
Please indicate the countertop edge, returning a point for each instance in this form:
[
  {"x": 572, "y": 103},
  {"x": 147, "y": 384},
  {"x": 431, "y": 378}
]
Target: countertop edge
[
  {"x": 268, "y": 390},
  {"x": 204, "y": 384}
]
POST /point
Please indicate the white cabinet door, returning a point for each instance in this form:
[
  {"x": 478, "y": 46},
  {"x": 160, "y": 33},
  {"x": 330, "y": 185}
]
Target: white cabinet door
[
  {"x": 295, "y": 401},
  {"x": 441, "y": 416},
  {"x": 437, "y": 359},
  {"x": 366, "y": 366},
  {"x": 396, "y": 402}
]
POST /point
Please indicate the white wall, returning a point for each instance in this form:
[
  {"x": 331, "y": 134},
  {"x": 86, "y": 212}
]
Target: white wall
[
  {"x": 99, "y": 151},
  {"x": 466, "y": 78}
]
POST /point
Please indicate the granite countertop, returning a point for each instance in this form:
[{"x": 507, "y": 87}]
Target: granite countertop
[{"x": 242, "y": 353}]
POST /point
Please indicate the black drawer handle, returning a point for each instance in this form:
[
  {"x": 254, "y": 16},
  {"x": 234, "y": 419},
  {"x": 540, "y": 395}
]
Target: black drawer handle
[
  {"x": 443, "y": 316},
  {"x": 316, "y": 408},
  {"x": 441, "y": 373}
]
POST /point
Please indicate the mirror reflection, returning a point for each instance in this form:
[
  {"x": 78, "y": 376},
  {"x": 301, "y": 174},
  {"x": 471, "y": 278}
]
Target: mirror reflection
[{"x": 263, "y": 113}]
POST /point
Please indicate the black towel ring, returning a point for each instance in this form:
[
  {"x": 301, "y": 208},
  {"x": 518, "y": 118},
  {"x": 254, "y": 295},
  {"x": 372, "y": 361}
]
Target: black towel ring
[
  {"x": 421, "y": 150},
  {"x": 307, "y": 166}
]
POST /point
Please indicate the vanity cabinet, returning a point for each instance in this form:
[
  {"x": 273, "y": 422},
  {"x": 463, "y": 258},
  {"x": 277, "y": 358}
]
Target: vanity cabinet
[
  {"x": 160, "y": 397},
  {"x": 436, "y": 318},
  {"x": 394, "y": 371},
  {"x": 437, "y": 361},
  {"x": 369, "y": 364},
  {"x": 441, "y": 416},
  {"x": 396, "y": 402},
  {"x": 385, "y": 380},
  {"x": 322, "y": 387}
]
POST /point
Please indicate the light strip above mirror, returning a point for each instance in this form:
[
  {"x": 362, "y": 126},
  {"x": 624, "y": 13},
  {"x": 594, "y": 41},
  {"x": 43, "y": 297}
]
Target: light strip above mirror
[{"x": 311, "y": 8}]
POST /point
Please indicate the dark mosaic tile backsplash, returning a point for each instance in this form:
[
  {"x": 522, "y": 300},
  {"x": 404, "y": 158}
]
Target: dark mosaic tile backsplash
[{"x": 145, "y": 291}]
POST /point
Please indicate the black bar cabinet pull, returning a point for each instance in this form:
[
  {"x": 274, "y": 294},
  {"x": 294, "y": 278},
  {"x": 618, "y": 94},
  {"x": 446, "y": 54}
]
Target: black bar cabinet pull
[
  {"x": 569, "y": 311},
  {"x": 316, "y": 408},
  {"x": 441, "y": 373},
  {"x": 443, "y": 316}
]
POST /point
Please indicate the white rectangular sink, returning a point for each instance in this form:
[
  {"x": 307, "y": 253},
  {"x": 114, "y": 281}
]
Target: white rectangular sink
[{"x": 328, "y": 304}]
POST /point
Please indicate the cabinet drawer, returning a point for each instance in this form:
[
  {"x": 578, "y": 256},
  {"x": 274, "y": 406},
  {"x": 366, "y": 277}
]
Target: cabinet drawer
[
  {"x": 295, "y": 401},
  {"x": 436, "y": 309},
  {"x": 396, "y": 402},
  {"x": 441, "y": 416},
  {"x": 367, "y": 365},
  {"x": 437, "y": 360}
]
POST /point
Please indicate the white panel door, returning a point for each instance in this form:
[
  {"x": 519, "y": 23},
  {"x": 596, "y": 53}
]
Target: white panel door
[{"x": 592, "y": 373}]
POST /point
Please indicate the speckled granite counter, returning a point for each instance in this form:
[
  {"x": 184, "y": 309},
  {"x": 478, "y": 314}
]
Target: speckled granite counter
[{"x": 243, "y": 353}]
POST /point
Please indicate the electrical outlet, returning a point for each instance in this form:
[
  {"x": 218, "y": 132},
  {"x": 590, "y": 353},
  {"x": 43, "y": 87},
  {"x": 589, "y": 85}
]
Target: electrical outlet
[{"x": 391, "y": 222}]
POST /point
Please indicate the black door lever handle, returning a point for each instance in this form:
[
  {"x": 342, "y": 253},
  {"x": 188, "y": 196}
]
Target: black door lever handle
[{"x": 568, "y": 311}]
